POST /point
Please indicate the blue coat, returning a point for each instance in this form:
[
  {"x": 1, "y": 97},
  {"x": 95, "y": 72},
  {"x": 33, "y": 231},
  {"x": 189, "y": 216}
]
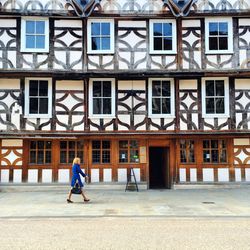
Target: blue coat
[{"x": 76, "y": 172}]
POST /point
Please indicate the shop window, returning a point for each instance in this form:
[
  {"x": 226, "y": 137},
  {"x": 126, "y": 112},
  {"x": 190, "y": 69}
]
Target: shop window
[
  {"x": 129, "y": 151},
  {"x": 214, "y": 151},
  {"x": 40, "y": 152},
  {"x": 187, "y": 151},
  {"x": 101, "y": 151},
  {"x": 69, "y": 150}
]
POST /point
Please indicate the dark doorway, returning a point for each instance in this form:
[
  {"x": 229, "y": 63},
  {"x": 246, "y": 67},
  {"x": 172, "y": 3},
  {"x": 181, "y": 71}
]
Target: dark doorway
[{"x": 159, "y": 167}]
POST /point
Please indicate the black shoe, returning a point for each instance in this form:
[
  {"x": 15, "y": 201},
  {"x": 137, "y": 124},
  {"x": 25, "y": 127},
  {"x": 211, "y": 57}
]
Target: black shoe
[{"x": 69, "y": 201}]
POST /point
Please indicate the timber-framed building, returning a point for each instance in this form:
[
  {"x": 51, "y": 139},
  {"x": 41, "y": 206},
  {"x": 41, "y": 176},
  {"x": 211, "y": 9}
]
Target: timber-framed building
[{"x": 160, "y": 86}]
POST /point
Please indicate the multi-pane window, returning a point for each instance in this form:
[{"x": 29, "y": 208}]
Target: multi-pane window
[
  {"x": 214, "y": 151},
  {"x": 69, "y": 150},
  {"x": 38, "y": 97},
  {"x": 216, "y": 97},
  {"x": 162, "y": 36},
  {"x": 101, "y": 151},
  {"x": 187, "y": 151},
  {"x": 40, "y": 152},
  {"x": 128, "y": 151},
  {"x": 161, "y": 97},
  {"x": 219, "y": 35},
  {"x": 35, "y": 35},
  {"x": 102, "y": 96},
  {"x": 100, "y": 36}
]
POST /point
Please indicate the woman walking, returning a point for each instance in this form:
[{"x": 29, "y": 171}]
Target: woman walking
[{"x": 76, "y": 172}]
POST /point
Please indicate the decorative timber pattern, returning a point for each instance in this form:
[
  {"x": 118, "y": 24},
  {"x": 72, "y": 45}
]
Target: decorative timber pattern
[{"x": 244, "y": 43}]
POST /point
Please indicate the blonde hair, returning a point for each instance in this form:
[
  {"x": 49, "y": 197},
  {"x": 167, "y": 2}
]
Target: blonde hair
[{"x": 76, "y": 160}]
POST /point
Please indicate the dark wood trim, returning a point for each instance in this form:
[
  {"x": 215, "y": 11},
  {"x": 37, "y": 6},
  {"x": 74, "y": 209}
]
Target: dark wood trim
[
  {"x": 177, "y": 104},
  {"x": 25, "y": 160},
  {"x": 232, "y": 112}
]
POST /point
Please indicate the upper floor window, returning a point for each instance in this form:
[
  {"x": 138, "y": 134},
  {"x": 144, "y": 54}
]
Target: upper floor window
[
  {"x": 100, "y": 36},
  {"x": 38, "y": 97},
  {"x": 162, "y": 36},
  {"x": 161, "y": 98},
  {"x": 35, "y": 35},
  {"x": 102, "y": 98},
  {"x": 219, "y": 35},
  {"x": 215, "y": 97}
]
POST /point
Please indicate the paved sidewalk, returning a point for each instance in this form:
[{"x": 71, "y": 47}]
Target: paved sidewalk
[{"x": 186, "y": 201}]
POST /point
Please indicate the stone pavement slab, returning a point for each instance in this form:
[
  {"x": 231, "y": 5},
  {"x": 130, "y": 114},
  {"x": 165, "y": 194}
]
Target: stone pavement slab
[{"x": 50, "y": 202}]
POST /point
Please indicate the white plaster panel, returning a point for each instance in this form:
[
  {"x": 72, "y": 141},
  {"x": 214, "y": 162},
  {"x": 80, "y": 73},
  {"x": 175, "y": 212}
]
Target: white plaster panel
[
  {"x": 95, "y": 175},
  {"x": 63, "y": 119},
  {"x": 193, "y": 175},
  {"x": 247, "y": 174},
  {"x": 238, "y": 177},
  {"x": 107, "y": 175},
  {"x": 137, "y": 172},
  {"x": 17, "y": 175},
  {"x": 125, "y": 85},
  {"x": 124, "y": 119},
  {"x": 141, "y": 56},
  {"x": 138, "y": 119},
  {"x": 223, "y": 174},
  {"x": 123, "y": 65},
  {"x": 68, "y": 40},
  {"x": 46, "y": 175},
  {"x": 12, "y": 143},
  {"x": 242, "y": 83},
  {"x": 188, "y": 84},
  {"x": 168, "y": 120},
  {"x": 191, "y": 39},
  {"x": 243, "y": 59},
  {"x": 244, "y": 21},
  {"x": 10, "y": 23},
  {"x": 208, "y": 174},
  {"x": 9, "y": 83},
  {"x": 128, "y": 102},
  {"x": 82, "y": 178},
  {"x": 32, "y": 175},
  {"x": 68, "y": 23},
  {"x": 69, "y": 102},
  {"x": 76, "y": 119},
  {"x": 5, "y": 176},
  {"x": 61, "y": 57},
  {"x": 11, "y": 157},
  {"x": 191, "y": 23},
  {"x": 131, "y": 40},
  {"x": 74, "y": 57},
  {"x": 6, "y": 38},
  {"x": 122, "y": 175},
  {"x": 69, "y": 85},
  {"x": 132, "y": 24},
  {"x": 242, "y": 156},
  {"x": 63, "y": 176},
  {"x": 241, "y": 142},
  {"x": 107, "y": 60},
  {"x": 183, "y": 175}
]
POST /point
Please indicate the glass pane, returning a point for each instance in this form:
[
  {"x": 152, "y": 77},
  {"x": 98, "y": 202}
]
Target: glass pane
[
  {"x": 223, "y": 43},
  {"x": 40, "y": 144},
  {"x": 167, "y": 43},
  {"x": 223, "y": 144},
  {"x": 97, "y": 89},
  {"x": 96, "y": 144},
  {"x": 183, "y": 156},
  {"x": 156, "y": 105},
  {"x": 123, "y": 144},
  {"x": 191, "y": 156},
  {"x": 133, "y": 144},
  {"x": 63, "y": 157},
  {"x": 72, "y": 145},
  {"x": 167, "y": 29},
  {"x": 96, "y": 156},
  {"x": 105, "y": 43},
  {"x": 33, "y": 106},
  {"x": 105, "y": 29},
  {"x": 43, "y": 88},
  {"x": 220, "y": 107},
  {"x": 223, "y": 156},
  {"x": 106, "y": 144},
  {"x": 156, "y": 88},
  {"x": 48, "y": 144},
  {"x": 134, "y": 156},
  {"x": 80, "y": 155},
  {"x": 97, "y": 106},
  {"x": 71, "y": 156},
  {"x": 32, "y": 145},
  {"x": 206, "y": 144},
  {"x": 157, "y": 29},
  {"x": 106, "y": 106},
  {"x": 105, "y": 156},
  {"x": 40, "y": 27},
  {"x": 210, "y": 107},
  {"x": 32, "y": 156},
  {"x": 214, "y": 143},
  {"x": 80, "y": 145},
  {"x": 40, "y": 42},
  {"x": 213, "y": 29},
  {"x": 106, "y": 89},
  {"x": 206, "y": 156},
  {"x": 223, "y": 29},
  {"x": 166, "y": 106},
  {"x": 30, "y": 42},
  {"x": 96, "y": 43},
  {"x": 33, "y": 88},
  {"x": 63, "y": 145},
  {"x": 166, "y": 88},
  {"x": 30, "y": 27},
  {"x": 158, "y": 43},
  {"x": 40, "y": 155},
  {"x": 213, "y": 43},
  {"x": 220, "y": 88},
  {"x": 43, "y": 106},
  {"x": 95, "y": 29},
  {"x": 48, "y": 157},
  {"x": 123, "y": 156},
  {"x": 210, "y": 88},
  {"x": 215, "y": 156}
]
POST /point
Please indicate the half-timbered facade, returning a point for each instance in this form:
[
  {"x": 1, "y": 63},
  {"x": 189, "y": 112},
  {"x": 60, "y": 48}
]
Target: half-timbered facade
[{"x": 160, "y": 86}]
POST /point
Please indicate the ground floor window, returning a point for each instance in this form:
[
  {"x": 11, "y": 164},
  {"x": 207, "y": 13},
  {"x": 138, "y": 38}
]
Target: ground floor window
[
  {"x": 40, "y": 152},
  {"x": 128, "y": 151},
  {"x": 214, "y": 151},
  {"x": 101, "y": 151},
  {"x": 187, "y": 151},
  {"x": 71, "y": 149}
]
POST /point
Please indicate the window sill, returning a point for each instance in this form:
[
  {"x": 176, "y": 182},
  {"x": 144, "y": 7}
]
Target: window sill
[
  {"x": 219, "y": 53},
  {"x": 161, "y": 116},
  {"x": 102, "y": 117},
  {"x": 37, "y": 116},
  {"x": 215, "y": 116},
  {"x": 159, "y": 53}
]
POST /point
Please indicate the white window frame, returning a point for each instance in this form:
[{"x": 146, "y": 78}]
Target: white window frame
[
  {"x": 112, "y": 115},
  {"x": 172, "y": 99},
  {"x": 27, "y": 99},
  {"x": 226, "y": 100},
  {"x": 230, "y": 35},
  {"x": 151, "y": 36},
  {"x": 112, "y": 36},
  {"x": 23, "y": 35}
]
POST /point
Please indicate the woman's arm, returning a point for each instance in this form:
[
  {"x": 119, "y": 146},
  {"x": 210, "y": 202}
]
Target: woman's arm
[{"x": 81, "y": 172}]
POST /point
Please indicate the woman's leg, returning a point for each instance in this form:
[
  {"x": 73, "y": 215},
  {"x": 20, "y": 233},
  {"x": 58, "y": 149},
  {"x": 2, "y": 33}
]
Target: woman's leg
[
  {"x": 69, "y": 198},
  {"x": 84, "y": 196}
]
